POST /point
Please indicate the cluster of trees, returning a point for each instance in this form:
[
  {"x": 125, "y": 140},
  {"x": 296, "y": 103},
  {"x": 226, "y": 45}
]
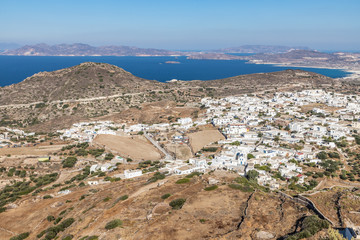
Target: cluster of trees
[
  {"x": 156, "y": 176},
  {"x": 52, "y": 232},
  {"x": 324, "y": 155},
  {"x": 69, "y": 162},
  {"x": 309, "y": 226},
  {"x": 81, "y": 149},
  {"x": 12, "y": 192},
  {"x": 150, "y": 166}
]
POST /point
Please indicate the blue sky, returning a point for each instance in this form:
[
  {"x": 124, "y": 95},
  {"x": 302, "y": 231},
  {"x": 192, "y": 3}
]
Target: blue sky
[{"x": 186, "y": 24}]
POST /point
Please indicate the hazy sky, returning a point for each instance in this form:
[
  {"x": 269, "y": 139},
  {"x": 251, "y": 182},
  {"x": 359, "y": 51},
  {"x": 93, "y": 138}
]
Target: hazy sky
[{"x": 185, "y": 24}]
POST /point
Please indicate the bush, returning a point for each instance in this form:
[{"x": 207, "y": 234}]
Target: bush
[
  {"x": 106, "y": 199},
  {"x": 333, "y": 155},
  {"x": 157, "y": 176},
  {"x": 113, "y": 224},
  {"x": 47, "y": 197},
  {"x": 165, "y": 196},
  {"x": 109, "y": 156},
  {"x": 177, "y": 203},
  {"x": 50, "y": 218},
  {"x": 20, "y": 236},
  {"x": 124, "y": 197},
  {"x": 309, "y": 226},
  {"x": 210, "y": 149},
  {"x": 69, "y": 162},
  {"x": 211, "y": 188},
  {"x": 68, "y": 237},
  {"x": 252, "y": 175},
  {"x": 322, "y": 155},
  {"x": 183, "y": 180},
  {"x": 193, "y": 174},
  {"x": 67, "y": 222}
]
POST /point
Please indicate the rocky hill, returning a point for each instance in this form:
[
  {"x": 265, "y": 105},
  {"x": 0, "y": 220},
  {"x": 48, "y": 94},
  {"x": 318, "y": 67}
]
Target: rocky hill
[
  {"x": 143, "y": 210},
  {"x": 80, "y": 49},
  {"x": 92, "y": 90},
  {"x": 87, "y": 80}
]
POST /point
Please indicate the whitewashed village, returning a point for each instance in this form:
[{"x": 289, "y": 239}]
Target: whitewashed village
[{"x": 272, "y": 136}]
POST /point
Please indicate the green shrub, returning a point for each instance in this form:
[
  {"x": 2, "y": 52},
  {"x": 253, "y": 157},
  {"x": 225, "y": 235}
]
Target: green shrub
[
  {"x": 57, "y": 220},
  {"x": 109, "y": 156},
  {"x": 69, "y": 162},
  {"x": 193, "y": 174},
  {"x": 124, "y": 197},
  {"x": 211, "y": 188},
  {"x": 310, "y": 226},
  {"x": 177, "y": 203},
  {"x": 93, "y": 238},
  {"x": 67, "y": 222},
  {"x": 47, "y": 197},
  {"x": 210, "y": 149},
  {"x": 50, "y": 218},
  {"x": 20, "y": 236},
  {"x": 322, "y": 155},
  {"x": 113, "y": 224},
  {"x": 183, "y": 180},
  {"x": 106, "y": 199},
  {"x": 165, "y": 196},
  {"x": 68, "y": 237}
]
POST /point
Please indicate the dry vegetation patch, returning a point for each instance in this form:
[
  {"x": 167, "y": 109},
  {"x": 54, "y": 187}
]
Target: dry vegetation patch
[{"x": 135, "y": 147}]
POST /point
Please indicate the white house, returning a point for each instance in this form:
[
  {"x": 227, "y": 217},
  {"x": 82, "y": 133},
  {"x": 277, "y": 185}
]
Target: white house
[{"x": 132, "y": 173}]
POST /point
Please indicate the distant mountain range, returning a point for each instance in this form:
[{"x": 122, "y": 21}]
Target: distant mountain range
[{"x": 80, "y": 49}]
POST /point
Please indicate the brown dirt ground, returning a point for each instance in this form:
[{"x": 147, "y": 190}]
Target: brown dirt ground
[
  {"x": 136, "y": 147},
  {"x": 200, "y": 139},
  {"x": 37, "y": 150},
  {"x": 183, "y": 151},
  {"x": 221, "y": 211}
]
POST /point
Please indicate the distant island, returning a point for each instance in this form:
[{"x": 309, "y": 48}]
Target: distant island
[
  {"x": 172, "y": 62},
  {"x": 80, "y": 49}
]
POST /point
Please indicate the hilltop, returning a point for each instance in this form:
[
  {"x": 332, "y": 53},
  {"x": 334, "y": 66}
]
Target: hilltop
[{"x": 93, "y": 90}]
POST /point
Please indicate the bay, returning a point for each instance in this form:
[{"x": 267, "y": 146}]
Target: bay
[{"x": 14, "y": 69}]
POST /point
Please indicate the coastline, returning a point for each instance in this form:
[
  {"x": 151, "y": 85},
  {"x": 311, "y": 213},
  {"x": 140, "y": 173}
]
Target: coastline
[{"x": 354, "y": 73}]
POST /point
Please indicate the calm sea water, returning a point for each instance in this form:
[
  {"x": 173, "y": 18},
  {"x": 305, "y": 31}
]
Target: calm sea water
[{"x": 14, "y": 69}]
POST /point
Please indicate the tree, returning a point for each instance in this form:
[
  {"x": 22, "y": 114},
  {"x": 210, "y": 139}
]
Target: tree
[
  {"x": 177, "y": 203},
  {"x": 69, "y": 162},
  {"x": 252, "y": 175},
  {"x": 276, "y": 138},
  {"x": 250, "y": 156},
  {"x": 322, "y": 155}
]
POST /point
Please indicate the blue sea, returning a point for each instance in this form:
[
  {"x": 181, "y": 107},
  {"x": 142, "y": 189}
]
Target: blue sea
[{"x": 14, "y": 69}]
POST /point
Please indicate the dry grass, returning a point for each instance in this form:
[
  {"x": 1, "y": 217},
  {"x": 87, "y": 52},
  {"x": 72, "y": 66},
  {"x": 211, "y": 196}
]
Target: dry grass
[
  {"x": 200, "y": 139},
  {"x": 37, "y": 150},
  {"x": 136, "y": 147}
]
